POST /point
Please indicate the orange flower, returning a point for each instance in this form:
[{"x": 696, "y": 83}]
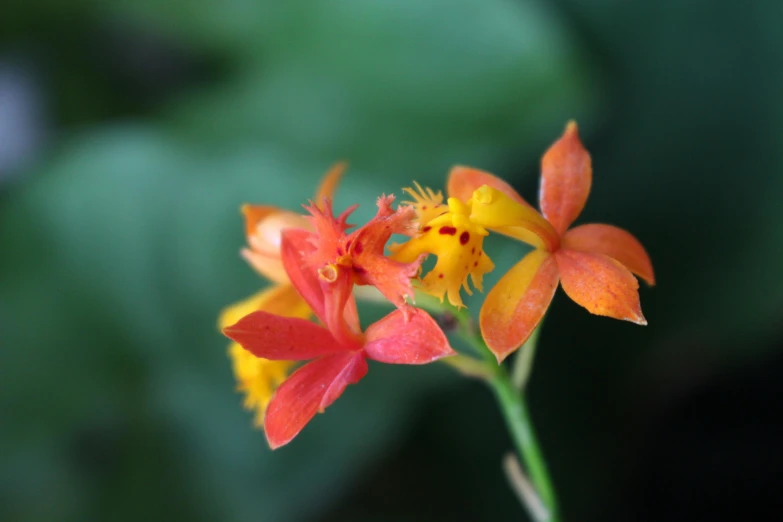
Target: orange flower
[
  {"x": 256, "y": 377},
  {"x": 594, "y": 263}
]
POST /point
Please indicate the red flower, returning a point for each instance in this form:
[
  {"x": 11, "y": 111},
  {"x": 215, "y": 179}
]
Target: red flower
[
  {"x": 336, "y": 260},
  {"x": 340, "y": 350}
]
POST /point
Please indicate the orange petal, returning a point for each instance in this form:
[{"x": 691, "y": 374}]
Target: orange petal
[
  {"x": 515, "y": 306},
  {"x": 600, "y": 284},
  {"x": 566, "y": 175},
  {"x": 329, "y": 183},
  {"x": 255, "y": 213},
  {"x": 464, "y": 180},
  {"x": 613, "y": 242},
  {"x": 264, "y": 237}
]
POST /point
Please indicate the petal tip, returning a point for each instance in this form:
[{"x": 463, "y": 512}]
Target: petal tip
[{"x": 275, "y": 444}]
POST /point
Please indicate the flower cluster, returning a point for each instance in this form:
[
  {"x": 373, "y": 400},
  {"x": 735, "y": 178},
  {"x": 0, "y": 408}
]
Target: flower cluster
[{"x": 316, "y": 260}]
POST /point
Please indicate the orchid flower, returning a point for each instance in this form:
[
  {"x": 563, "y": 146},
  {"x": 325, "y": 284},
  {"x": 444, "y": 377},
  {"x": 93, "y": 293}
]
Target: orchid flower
[
  {"x": 339, "y": 351},
  {"x": 258, "y": 378},
  {"x": 594, "y": 263}
]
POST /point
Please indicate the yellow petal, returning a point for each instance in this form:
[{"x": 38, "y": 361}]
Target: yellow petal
[
  {"x": 517, "y": 303},
  {"x": 427, "y": 203},
  {"x": 495, "y": 210},
  {"x": 277, "y": 299},
  {"x": 257, "y": 378},
  {"x": 458, "y": 244}
]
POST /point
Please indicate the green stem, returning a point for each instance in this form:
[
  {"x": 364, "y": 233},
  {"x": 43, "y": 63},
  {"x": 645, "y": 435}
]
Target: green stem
[
  {"x": 515, "y": 412},
  {"x": 510, "y": 397},
  {"x": 523, "y": 362}
]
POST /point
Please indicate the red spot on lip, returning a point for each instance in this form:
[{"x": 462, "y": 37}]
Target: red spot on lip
[
  {"x": 440, "y": 276},
  {"x": 348, "y": 245},
  {"x": 358, "y": 248},
  {"x": 359, "y": 270},
  {"x": 426, "y": 229},
  {"x": 447, "y": 231},
  {"x": 424, "y": 207},
  {"x": 473, "y": 250},
  {"x": 464, "y": 238},
  {"x": 475, "y": 264}
]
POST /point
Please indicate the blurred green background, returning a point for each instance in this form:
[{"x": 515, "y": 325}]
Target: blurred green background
[{"x": 131, "y": 132}]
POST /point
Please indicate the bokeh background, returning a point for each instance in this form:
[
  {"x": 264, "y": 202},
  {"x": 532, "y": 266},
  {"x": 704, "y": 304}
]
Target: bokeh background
[{"x": 131, "y": 132}]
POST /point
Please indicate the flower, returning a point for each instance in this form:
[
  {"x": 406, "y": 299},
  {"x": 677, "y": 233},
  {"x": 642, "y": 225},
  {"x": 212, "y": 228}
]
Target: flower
[
  {"x": 447, "y": 232},
  {"x": 258, "y": 378},
  {"x": 339, "y": 260},
  {"x": 594, "y": 263},
  {"x": 339, "y": 352}
]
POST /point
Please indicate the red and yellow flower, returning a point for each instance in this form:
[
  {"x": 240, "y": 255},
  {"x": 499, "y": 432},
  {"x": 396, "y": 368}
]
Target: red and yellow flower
[
  {"x": 256, "y": 377},
  {"x": 316, "y": 260},
  {"x": 594, "y": 263},
  {"x": 339, "y": 350}
]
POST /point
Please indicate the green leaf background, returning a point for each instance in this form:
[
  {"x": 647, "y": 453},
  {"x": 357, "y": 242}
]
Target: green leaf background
[{"x": 119, "y": 245}]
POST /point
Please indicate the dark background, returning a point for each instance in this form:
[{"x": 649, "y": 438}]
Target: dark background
[{"x": 130, "y": 133}]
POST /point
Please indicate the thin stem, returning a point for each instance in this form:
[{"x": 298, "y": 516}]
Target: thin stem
[
  {"x": 517, "y": 419},
  {"x": 523, "y": 362},
  {"x": 512, "y": 405}
]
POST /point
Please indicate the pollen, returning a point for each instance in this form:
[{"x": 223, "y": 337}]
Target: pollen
[
  {"x": 457, "y": 242},
  {"x": 328, "y": 273}
]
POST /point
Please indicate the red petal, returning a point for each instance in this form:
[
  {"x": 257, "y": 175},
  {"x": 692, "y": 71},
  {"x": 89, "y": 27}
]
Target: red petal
[
  {"x": 353, "y": 372},
  {"x": 613, "y": 242},
  {"x": 566, "y": 175},
  {"x": 515, "y": 306},
  {"x": 366, "y": 249},
  {"x": 419, "y": 340},
  {"x": 464, "y": 180},
  {"x": 337, "y": 287},
  {"x": 600, "y": 284},
  {"x": 352, "y": 314},
  {"x": 329, "y": 232},
  {"x": 307, "y": 391},
  {"x": 282, "y": 338},
  {"x": 295, "y": 251}
]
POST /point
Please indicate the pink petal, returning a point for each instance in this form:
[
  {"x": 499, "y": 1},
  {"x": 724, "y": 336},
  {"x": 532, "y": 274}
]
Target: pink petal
[{"x": 419, "y": 340}]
